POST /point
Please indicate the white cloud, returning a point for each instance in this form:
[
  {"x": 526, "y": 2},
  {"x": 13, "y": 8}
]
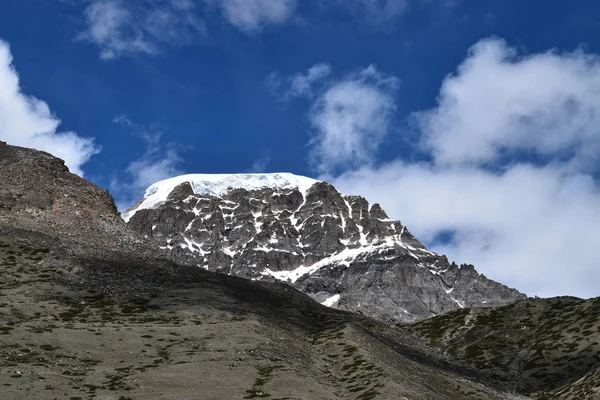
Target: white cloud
[
  {"x": 302, "y": 84},
  {"x": 251, "y": 16},
  {"x": 499, "y": 102},
  {"x": 350, "y": 120},
  {"x": 122, "y": 28},
  {"x": 129, "y": 27},
  {"x": 156, "y": 163},
  {"x": 28, "y": 122},
  {"x": 512, "y": 143},
  {"x": 350, "y": 116}
]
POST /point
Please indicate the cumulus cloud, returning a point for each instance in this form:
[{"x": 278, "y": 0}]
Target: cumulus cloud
[
  {"x": 510, "y": 185},
  {"x": 500, "y": 102},
  {"x": 350, "y": 119},
  {"x": 350, "y": 116},
  {"x": 122, "y": 28},
  {"x": 28, "y": 122},
  {"x": 251, "y": 16},
  {"x": 157, "y": 162}
]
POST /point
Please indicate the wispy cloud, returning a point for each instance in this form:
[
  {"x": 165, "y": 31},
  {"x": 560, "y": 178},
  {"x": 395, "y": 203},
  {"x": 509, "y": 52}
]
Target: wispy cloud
[
  {"x": 27, "y": 121},
  {"x": 251, "y": 16},
  {"x": 122, "y": 28},
  {"x": 350, "y": 116},
  {"x": 260, "y": 164},
  {"x": 158, "y": 161},
  {"x": 153, "y": 167},
  {"x": 299, "y": 84},
  {"x": 512, "y": 143},
  {"x": 130, "y": 27}
]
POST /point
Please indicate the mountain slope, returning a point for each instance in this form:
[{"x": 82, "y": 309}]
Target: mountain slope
[
  {"x": 547, "y": 347},
  {"x": 90, "y": 310},
  {"x": 342, "y": 251}
]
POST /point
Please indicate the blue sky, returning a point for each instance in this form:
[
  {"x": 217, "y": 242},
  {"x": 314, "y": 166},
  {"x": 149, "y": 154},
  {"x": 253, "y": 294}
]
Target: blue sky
[{"x": 473, "y": 122}]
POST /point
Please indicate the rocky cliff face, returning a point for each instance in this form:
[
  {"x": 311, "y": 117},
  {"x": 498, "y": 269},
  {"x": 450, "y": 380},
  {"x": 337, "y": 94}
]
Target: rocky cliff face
[{"x": 342, "y": 251}]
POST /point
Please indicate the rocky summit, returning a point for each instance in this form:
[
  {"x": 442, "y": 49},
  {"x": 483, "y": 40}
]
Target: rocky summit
[{"x": 339, "y": 249}]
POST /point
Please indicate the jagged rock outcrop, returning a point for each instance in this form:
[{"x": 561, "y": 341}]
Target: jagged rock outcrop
[{"x": 339, "y": 249}]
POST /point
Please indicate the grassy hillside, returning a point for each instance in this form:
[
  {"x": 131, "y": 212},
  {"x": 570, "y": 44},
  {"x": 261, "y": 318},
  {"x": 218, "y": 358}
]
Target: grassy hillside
[{"x": 542, "y": 345}]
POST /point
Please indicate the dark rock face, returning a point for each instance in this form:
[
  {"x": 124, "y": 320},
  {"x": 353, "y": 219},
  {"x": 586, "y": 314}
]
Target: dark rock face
[{"x": 340, "y": 250}]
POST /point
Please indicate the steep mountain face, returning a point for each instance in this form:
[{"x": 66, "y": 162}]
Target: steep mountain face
[
  {"x": 88, "y": 309},
  {"x": 38, "y": 193},
  {"x": 342, "y": 251},
  {"x": 58, "y": 193},
  {"x": 549, "y": 348}
]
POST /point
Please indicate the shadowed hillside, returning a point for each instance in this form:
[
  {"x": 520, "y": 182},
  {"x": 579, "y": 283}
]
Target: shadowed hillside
[{"x": 541, "y": 345}]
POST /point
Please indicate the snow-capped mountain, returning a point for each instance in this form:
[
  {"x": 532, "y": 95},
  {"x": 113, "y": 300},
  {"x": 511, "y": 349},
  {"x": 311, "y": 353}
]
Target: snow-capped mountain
[{"x": 339, "y": 249}]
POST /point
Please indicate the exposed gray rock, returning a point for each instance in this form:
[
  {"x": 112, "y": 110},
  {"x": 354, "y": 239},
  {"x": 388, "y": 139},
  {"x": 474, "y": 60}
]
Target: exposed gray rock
[{"x": 338, "y": 249}]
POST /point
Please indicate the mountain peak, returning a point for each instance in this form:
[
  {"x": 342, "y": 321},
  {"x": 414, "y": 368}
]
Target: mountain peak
[
  {"x": 339, "y": 249},
  {"x": 219, "y": 184}
]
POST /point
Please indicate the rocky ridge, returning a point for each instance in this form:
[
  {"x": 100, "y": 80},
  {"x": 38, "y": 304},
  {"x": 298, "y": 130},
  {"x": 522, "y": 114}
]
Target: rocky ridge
[{"x": 339, "y": 249}]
